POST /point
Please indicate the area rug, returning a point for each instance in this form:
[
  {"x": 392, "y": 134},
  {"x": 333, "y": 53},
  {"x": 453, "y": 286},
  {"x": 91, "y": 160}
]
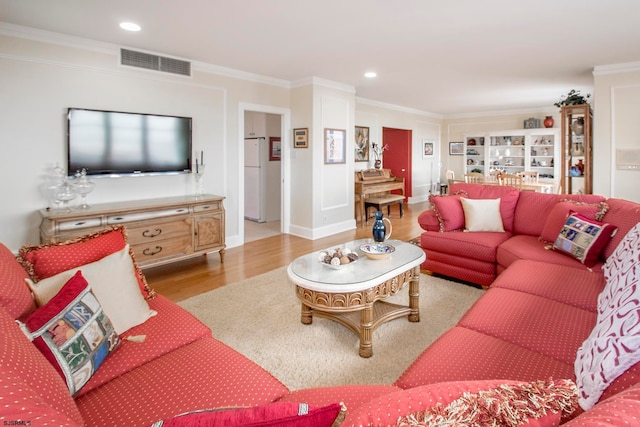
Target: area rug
[{"x": 260, "y": 317}]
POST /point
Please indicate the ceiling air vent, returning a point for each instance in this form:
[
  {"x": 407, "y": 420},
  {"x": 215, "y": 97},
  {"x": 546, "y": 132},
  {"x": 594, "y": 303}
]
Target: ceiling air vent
[{"x": 150, "y": 61}]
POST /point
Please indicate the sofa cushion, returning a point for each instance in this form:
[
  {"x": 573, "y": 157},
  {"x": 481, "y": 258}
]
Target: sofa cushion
[
  {"x": 428, "y": 220},
  {"x": 465, "y": 269},
  {"x": 482, "y": 215},
  {"x": 172, "y": 328},
  {"x": 624, "y": 215},
  {"x": 531, "y": 248},
  {"x": 508, "y": 198},
  {"x": 284, "y": 414},
  {"x": 533, "y": 209},
  {"x": 584, "y": 238},
  {"x": 448, "y": 210},
  {"x": 15, "y": 296},
  {"x": 407, "y": 407},
  {"x": 531, "y": 322},
  {"x": 203, "y": 374},
  {"x": 478, "y": 246},
  {"x": 73, "y": 333},
  {"x": 20, "y": 358},
  {"x": 614, "y": 343},
  {"x": 620, "y": 410},
  {"x": 578, "y": 288},
  {"x": 561, "y": 211},
  {"x": 484, "y": 357},
  {"x": 21, "y": 405},
  {"x": 47, "y": 260},
  {"x": 113, "y": 281}
]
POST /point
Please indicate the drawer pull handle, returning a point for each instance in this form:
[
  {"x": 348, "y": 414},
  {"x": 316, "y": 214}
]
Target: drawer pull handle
[
  {"x": 152, "y": 252},
  {"x": 118, "y": 218},
  {"x": 154, "y": 233},
  {"x": 81, "y": 223},
  {"x": 181, "y": 210}
]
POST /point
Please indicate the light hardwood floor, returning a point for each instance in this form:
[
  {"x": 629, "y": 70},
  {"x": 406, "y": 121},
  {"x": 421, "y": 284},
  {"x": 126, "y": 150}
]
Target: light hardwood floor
[{"x": 184, "y": 279}]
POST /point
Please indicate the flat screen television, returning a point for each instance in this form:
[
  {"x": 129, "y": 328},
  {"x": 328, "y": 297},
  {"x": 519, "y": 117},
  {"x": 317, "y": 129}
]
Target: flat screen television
[{"x": 111, "y": 143}]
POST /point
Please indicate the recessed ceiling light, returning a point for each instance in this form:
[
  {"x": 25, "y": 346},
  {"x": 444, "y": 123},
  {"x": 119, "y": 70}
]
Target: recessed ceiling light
[
  {"x": 130, "y": 26},
  {"x": 370, "y": 74}
]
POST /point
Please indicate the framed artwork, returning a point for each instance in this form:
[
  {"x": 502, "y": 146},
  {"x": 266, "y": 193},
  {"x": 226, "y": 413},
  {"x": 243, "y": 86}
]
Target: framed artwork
[
  {"x": 275, "y": 148},
  {"x": 362, "y": 144},
  {"x": 301, "y": 138},
  {"x": 427, "y": 148},
  {"x": 334, "y": 146},
  {"x": 456, "y": 148}
]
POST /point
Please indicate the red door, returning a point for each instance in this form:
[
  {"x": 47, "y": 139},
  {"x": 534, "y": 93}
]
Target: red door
[{"x": 398, "y": 156}]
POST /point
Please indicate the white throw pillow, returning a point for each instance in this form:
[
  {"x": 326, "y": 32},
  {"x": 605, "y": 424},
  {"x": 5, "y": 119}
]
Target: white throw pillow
[
  {"x": 113, "y": 281},
  {"x": 614, "y": 343},
  {"x": 482, "y": 215}
]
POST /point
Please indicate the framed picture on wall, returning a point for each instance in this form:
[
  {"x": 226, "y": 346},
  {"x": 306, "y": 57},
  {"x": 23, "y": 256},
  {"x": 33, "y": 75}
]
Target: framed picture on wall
[
  {"x": 427, "y": 148},
  {"x": 275, "y": 148},
  {"x": 334, "y": 146},
  {"x": 301, "y": 138},
  {"x": 362, "y": 144},
  {"x": 456, "y": 148}
]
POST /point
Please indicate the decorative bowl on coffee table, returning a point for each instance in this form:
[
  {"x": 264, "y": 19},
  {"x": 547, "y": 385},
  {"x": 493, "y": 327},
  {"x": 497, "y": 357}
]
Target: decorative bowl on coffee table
[{"x": 377, "y": 250}]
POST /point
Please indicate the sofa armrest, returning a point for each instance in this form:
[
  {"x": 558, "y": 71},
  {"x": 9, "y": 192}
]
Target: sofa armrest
[{"x": 429, "y": 221}]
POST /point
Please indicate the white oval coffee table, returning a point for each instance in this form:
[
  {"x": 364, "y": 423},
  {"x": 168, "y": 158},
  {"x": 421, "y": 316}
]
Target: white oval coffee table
[{"x": 354, "y": 294}]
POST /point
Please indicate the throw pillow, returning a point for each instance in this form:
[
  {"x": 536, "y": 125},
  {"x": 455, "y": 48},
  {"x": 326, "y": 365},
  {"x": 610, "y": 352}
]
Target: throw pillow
[
  {"x": 73, "y": 332},
  {"x": 538, "y": 403},
  {"x": 614, "y": 343},
  {"x": 47, "y": 260},
  {"x": 113, "y": 281},
  {"x": 584, "y": 238},
  {"x": 448, "y": 210},
  {"x": 482, "y": 214},
  {"x": 561, "y": 211},
  {"x": 285, "y": 414}
]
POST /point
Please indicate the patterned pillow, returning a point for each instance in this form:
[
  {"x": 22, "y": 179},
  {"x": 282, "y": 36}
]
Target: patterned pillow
[
  {"x": 482, "y": 215},
  {"x": 561, "y": 211},
  {"x": 614, "y": 343},
  {"x": 284, "y": 414},
  {"x": 47, "y": 260},
  {"x": 73, "y": 333},
  {"x": 113, "y": 281},
  {"x": 584, "y": 238},
  {"x": 448, "y": 210}
]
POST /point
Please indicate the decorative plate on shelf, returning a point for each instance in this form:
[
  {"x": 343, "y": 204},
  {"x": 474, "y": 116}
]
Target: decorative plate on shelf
[
  {"x": 377, "y": 250},
  {"x": 471, "y": 141}
]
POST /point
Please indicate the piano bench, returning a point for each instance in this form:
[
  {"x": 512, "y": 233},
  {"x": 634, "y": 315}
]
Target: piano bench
[{"x": 380, "y": 202}]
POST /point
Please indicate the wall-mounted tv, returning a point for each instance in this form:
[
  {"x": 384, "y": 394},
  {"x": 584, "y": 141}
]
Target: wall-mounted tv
[{"x": 111, "y": 143}]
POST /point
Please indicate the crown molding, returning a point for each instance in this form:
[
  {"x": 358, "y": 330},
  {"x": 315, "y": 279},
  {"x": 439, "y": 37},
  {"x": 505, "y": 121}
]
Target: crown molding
[
  {"x": 317, "y": 81},
  {"x": 398, "y": 108},
  {"x": 616, "y": 68}
]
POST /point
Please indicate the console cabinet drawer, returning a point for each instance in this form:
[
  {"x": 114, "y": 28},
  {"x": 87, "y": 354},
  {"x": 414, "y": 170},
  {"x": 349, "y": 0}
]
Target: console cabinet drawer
[
  {"x": 159, "y": 230},
  {"x": 150, "y": 251}
]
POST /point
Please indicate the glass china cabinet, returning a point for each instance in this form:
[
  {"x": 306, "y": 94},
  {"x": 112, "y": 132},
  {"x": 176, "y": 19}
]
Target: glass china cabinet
[{"x": 576, "y": 149}]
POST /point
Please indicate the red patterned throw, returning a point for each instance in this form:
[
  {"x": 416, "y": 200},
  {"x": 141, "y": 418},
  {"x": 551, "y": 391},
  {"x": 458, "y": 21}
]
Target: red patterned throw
[{"x": 505, "y": 405}]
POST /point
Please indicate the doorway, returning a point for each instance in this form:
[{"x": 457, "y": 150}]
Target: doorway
[
  {"x": 398, "y": 157},
  {"x": 262, "y": 175}
]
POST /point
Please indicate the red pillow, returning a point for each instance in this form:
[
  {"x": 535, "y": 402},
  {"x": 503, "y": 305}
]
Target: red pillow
[
  {"x": 561, "y": 211},
  {"x": 285, "y": 414},
  {"x": 47, "y": 260},
  {"x": 584, "y": 238},
  {"x": 448, "y": 210}
]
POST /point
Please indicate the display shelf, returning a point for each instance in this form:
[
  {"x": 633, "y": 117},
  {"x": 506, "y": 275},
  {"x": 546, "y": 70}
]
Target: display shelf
[
  {"x": 474, "y": 154},
  {"x": 576, "y": 149}
]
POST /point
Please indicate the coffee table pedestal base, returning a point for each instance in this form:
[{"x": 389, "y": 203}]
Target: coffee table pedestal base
[{"x": 363, "y": 311}]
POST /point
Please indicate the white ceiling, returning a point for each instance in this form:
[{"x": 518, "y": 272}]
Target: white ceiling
[{"x": 442, "y": 57}]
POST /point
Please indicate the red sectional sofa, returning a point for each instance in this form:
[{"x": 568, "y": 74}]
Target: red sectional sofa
[{"x": 525, "y": 331}]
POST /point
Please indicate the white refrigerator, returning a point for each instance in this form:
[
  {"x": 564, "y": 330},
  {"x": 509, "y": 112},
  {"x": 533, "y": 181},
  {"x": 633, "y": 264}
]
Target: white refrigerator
[{"x": 254, "y": 178}]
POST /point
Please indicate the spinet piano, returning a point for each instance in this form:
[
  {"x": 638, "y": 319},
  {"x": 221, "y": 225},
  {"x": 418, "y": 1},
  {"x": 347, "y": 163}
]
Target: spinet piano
[{"x": 371, "y": 181}]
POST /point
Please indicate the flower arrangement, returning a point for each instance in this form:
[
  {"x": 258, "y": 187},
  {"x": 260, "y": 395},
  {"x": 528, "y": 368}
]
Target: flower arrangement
[
  {"x": 378, "y": 150},
  {"x": 573, "y": 98}
]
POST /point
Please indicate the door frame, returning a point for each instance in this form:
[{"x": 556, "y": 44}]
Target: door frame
[{"x": 285, "y": 167}]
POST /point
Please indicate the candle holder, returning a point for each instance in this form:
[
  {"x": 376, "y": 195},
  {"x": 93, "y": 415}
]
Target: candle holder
[
  {"x": 83, "y": 186},
  {"x": 198, "y": 173}
]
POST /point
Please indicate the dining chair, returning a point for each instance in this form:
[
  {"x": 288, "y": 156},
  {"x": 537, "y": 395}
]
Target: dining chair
[
  {"x": 474, "y": 178},
  {"x": 494, "y": 176},
  {"x": 529, "y": 176},
  {"x": 511, "y": 180},
  {"x": 450, "y": 177}
]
